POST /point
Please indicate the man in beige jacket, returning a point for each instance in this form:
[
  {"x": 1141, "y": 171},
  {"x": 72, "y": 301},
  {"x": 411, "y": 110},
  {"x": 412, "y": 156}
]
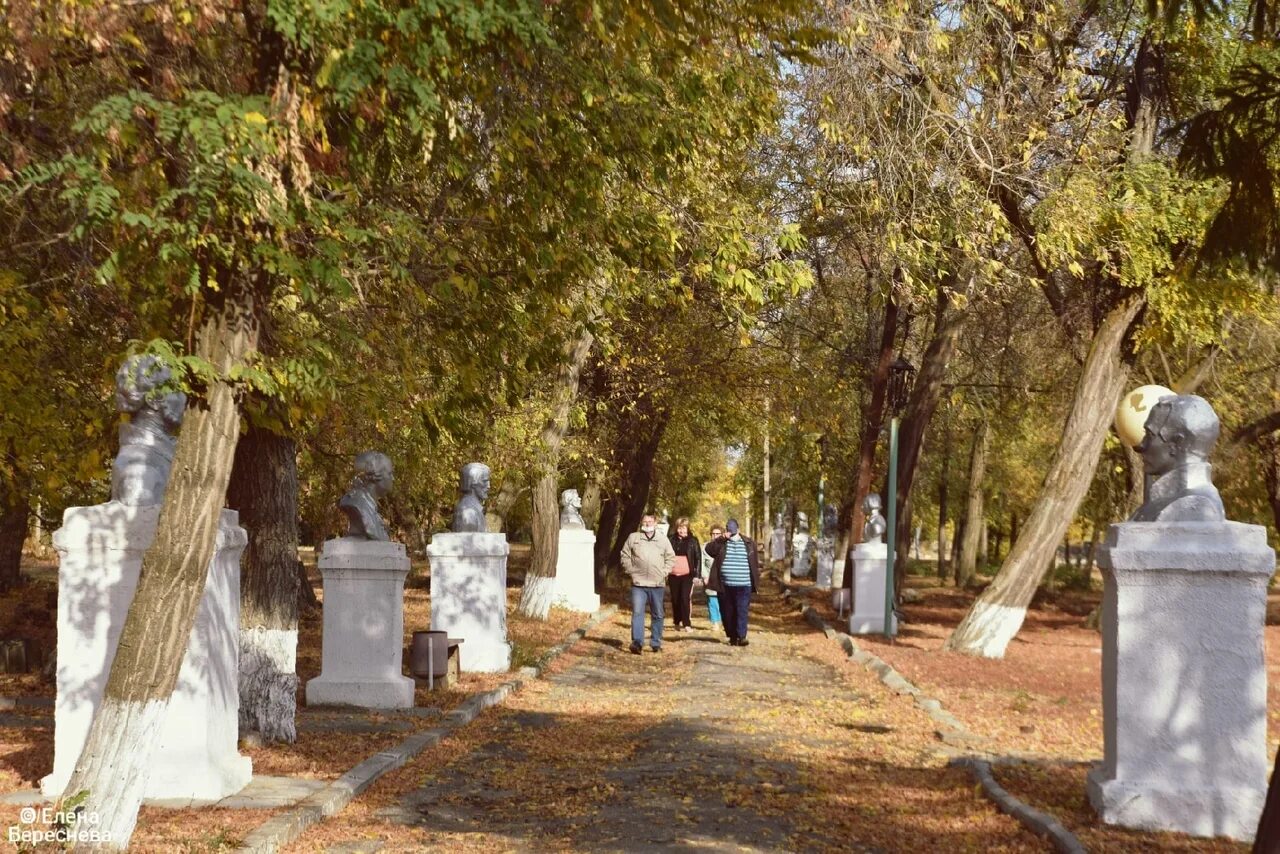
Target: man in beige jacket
[{"x": 647, "y": 557}]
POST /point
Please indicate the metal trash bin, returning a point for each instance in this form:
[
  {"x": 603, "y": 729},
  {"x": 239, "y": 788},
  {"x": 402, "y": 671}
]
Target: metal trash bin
[{"x": 429, "y": 656}]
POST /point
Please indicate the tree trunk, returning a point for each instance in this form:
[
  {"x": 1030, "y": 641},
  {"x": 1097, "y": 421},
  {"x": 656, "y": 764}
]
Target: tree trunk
[
  {"x": 591, "y": 503},
  {"x": 974, "y": 519},
  {"x": 998, "y": 613},
  {"x": 500, "y": 508},
  {"x": 114, "y": 764},
  {"x": 942, "y": 502},
  {"x": 607, "y": 530},
  {"x": 639, "y": 482},
  {"x": 874, "y": 421},
  {"x": 13, "y": 533},
  {"x": 984, "y": 533},
  {"x": 961, "y": 525},
  {"x": 925, "y": 395},
  {"x": 540, "y": 582},
  {"x": 264, "y": 489}
]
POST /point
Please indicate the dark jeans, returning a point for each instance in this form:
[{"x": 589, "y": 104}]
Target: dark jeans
[
  {"x": 650, "y": 597},
  {"x": 734, "y": 602},
  {"x": 681, "y": 598}
]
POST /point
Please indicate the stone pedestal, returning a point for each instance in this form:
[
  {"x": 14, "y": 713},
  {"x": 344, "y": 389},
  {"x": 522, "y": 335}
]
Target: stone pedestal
[
  {"x": 1184, "y": 685},
  {"x": 826, "y": 563},
  {"x": 469, "y": 596},
  {"x": 100, "y": 552},
  {"x": 800, "y": 552},
  {"x": 362, "y": 648},
  {"x": 778, "y": 544},
  {"x": 869, "y": 563},
  {"x": 576, "y": 571}
]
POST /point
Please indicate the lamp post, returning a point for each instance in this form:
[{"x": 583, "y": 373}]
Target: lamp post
[{"x": 900, "y": 375}]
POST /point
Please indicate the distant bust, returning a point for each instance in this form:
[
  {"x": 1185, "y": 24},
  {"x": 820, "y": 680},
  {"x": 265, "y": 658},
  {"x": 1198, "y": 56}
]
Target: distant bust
[
  {"x": 873, "y": 530},
  {"x": 372, "y": 481},
  {"x": 473, "y": 486},
  {"x": 830, "y": 520},
  {"x": 802, "y": 523},
  {"x": 147, "y": 442},
  {"x": 571, "y": 510},
  {"x": 1179, "y": 435}
]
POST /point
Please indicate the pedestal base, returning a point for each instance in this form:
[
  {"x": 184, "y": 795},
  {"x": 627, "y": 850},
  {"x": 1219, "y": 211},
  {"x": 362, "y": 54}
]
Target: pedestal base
[
  {"x": 869, "y": 563},
  {"x": 469, "y": 596},
  {"x": 362, "y": 656},
  {"x": 801, "y": 550},
  {"x": 100, "y": 551},
  {"x": 1231, "y": 812},
  {"x": 1184, "y": 684},
  {"x": 576, "y": 572},
  {"x": 826, "y": 563}
]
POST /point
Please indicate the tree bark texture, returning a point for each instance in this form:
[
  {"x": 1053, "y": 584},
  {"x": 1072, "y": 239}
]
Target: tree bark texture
[
  {"x": 998, "y": 613},
  {"x": 113, "y": 765},
  {"x": 638, "y": 481},
  {"x": 975, "y": 522},
  {"x": 873, "y": 423},
  {"x": 942, "y": 502},
  {"x": 13, "y": 533},
  {"x": 539, "y": 583},
  {"x": 921, "y": 405},
  {"x": 264, "y": 489}
]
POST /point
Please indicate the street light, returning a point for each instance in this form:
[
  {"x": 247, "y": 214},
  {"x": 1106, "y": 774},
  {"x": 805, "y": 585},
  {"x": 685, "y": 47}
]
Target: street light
[{"x": 901, "y": 374}]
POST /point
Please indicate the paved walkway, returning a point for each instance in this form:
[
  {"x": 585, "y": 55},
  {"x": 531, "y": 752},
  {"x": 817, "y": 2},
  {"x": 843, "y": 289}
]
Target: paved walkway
[{"x": 702, "y": 747}]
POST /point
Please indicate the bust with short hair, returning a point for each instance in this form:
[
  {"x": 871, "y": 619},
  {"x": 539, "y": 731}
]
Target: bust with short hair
[
  {"x": 571, "y": 510},
  {"x": 1179, "y": 435},
  {"x": 360, "y": 504},
  {"x": 873, "y": 530},
  {"x": 473, "y": 487}
]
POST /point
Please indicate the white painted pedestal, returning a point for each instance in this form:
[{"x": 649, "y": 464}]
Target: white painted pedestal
[
  {"x": 469, "y": 596},
  {"x": 362, "y": 648},
  {"x": 778, "y": 544},
  {"x": 1184, "y": 682},
  {"x": 869, "y": 562},
  {"x": 100, "y": 552},
  {"x": 800, "y": 550},
  {"x": 826, "y": 563},
  {"x": 576, "y": 572}
]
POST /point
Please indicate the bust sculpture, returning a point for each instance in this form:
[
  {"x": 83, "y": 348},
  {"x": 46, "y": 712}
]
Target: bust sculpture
[
  {"x": 147, "y": 441},
  {"x": 802, "y": 523},
  {"x": 571, "y": 510},
  {"x": 830, "y": 520},
  {"x": 473, "y": 487},
  {"x": 873, "y": 530},
  {"x": 372, "y": 481},
  {"x": 1178, "y": 437}
]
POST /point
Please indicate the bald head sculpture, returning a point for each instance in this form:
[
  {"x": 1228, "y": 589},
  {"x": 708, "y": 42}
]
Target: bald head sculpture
[{"x": 1178, "y": 437}]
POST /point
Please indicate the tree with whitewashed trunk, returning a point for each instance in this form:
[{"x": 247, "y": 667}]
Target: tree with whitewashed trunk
[
  {"x": 540, "y": 583},
  {"x": 264, "y": 490}
]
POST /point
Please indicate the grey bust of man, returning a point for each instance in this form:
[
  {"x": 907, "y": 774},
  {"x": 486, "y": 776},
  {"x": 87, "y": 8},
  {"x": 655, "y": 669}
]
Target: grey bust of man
[
  {"x": 147, "y": 441},
  {"x": 1179, "y": 435},
  {"x": 873, "y": 530},
  {"x": 372, "y": 481},
  {"x": 473, "y": 486},
  {"x": 830, "y": 520},
  {"x": 571, "y": 510}
]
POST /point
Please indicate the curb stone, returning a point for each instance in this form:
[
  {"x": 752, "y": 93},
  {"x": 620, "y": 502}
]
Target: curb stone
[
  {"x": 952, "y": 732},
  {"x": 284, "y": 828},
  {"x": 1037, "y": 822}
]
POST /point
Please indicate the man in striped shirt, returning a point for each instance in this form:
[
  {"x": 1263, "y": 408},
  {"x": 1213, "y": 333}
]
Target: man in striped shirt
[{"x": 735, "y": 575}]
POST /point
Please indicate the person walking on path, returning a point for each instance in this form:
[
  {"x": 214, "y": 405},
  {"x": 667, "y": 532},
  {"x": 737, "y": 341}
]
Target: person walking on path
[
  {"x": 713, "y": 599},
  {"x": 687, "y": 567},
  {"x": 735, "y": 575},
  {"x": 647, "y": 558}
]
